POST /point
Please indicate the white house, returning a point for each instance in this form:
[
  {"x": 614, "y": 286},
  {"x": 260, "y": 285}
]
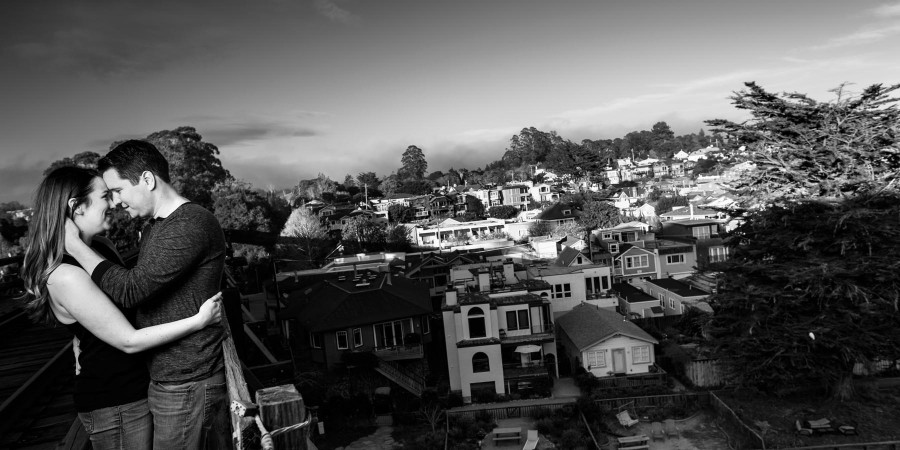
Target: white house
[{"x": 604, "y": 342}]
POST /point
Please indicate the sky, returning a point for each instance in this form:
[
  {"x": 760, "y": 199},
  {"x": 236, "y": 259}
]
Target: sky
[{"x": 288, "y": 89}]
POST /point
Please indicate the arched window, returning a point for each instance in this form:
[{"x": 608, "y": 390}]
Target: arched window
[
  {"x": 477, "y": 327},
  {"x": 480, "y": 363}
]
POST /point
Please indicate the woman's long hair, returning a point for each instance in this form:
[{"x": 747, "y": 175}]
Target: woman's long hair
[{"x": 45, "y": 244}]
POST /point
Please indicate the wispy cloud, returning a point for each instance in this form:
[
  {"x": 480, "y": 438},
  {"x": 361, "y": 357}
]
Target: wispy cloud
[
  {"x": 224, "y": 131},
  {"x": 331, "y": 10},
  {"x": 887, "y": 10},
  {"x": 864, "y": 36}
]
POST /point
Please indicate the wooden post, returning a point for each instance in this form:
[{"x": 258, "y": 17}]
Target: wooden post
[{"x": 279, "y": 407}]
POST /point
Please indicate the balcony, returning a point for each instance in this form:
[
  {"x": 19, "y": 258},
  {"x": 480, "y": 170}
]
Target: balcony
[
  {"x": 537, "y": 333},
  {"x": 524, "y": 370},
  {"x": 399, "y": 352},
  {"x": 656, "y": 377}
]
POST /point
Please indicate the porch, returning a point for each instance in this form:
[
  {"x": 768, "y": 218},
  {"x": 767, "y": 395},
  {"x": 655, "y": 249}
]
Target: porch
[
  {"x": 400, "y": 352},
  {"x": 656, "y": 377}
]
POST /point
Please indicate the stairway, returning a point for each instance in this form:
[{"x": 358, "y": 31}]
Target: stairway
[{"x": 411, "y": 382}]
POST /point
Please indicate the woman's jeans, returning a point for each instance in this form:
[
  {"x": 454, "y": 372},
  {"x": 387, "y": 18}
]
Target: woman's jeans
[
  {"x": 123, "y": 427},
  {"x": 190, "y": 415}
]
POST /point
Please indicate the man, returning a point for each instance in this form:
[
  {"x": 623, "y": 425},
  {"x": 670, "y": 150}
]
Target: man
[{"x": 180, "y": 265}]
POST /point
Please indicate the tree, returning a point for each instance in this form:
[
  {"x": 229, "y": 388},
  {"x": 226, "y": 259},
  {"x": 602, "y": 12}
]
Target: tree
[
  {"x": 399, "y": 238},
  {"x": 413, "y": 164},
  {"x": 809, "y": 290},
  {"x": 599, "y": 214},
  {"x": 540, "y": 228},
  {"x": 803, "y": 148},
  {"x": 238, "y": 207},
  {"x": 390, "y": 184},
  {"x": 194, "y": 165},
  {"x": 503, "y": 212},
  {"x": 317, "y": 187},
  {"x": 400, "y": 213},
  {"x": 361, "y": 233},
  {"x": 666, "y": 204},
  {"x": 304, "y": 226},
  {"x": 569, "y": 229},
  {"x": 85, "y": 160},
  {"x": 367, "y": 179}
]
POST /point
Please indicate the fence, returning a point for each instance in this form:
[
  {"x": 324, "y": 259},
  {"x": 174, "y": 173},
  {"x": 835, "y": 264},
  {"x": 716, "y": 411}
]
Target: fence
[
  {"x": 886, "y": 445},
  {"x": 706, "y": 373},
  {"x": 653, "y": 401},
  {"x": 658, "y": 378},
  {"x": 741, "y": 435},
  {"x": 513, "y": 411}
]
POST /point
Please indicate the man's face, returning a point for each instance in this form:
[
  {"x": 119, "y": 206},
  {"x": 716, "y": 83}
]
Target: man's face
[{"x": 135, "y": 198}]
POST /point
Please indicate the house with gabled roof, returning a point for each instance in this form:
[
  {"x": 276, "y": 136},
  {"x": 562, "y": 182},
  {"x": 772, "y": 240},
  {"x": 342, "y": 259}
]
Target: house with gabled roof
[
  {"x": 605, "y": 343},
  {"x": 634, "y": 262},
  {"x": 559, "y": 214}
]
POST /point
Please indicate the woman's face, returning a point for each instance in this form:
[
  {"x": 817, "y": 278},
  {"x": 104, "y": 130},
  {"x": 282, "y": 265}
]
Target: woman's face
[{"x": 93, "y": 218}]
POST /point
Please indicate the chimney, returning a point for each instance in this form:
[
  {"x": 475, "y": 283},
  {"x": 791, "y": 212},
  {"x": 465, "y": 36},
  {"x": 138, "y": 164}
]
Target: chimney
[
  {"x": 451, "y": 297},
  {"x": 509, "y": 272}
]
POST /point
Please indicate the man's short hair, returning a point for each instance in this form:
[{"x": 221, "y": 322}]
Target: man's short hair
[{"x": 132, "y": 158}]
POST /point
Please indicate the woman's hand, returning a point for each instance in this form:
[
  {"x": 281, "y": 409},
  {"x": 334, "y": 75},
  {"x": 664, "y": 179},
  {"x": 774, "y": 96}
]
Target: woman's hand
[
  {"x": 211, "y": 311},
  {"x": 73, "y": 234}
]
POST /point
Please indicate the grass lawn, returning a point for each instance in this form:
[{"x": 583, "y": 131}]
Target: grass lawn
[{"x": 875, "y": 414}]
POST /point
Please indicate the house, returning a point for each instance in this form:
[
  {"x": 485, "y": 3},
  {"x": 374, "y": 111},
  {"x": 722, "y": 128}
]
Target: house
[
  {"x": 515, "y": 195},
  {"x": 635, "y": 303},
  {"x": 575, "y": 242},
  {"x": 705, "y": 233},
  {"x": 546, "y": 247},
  {"x": 372, "y": 312},
  {"x": 675, "y": 259},
  {"x": 543, "y": 192},
  {"x": 604, "y": 343},
  {"x": 559, "y": 214},
  {"x": 433, "y": 269},
  {"x": 676, "y": 296},
  {"x": 499, "y": 341},
  {"x": 573, "y": 284},
  {"x": 634, "y": 262},
  {"x": 452, "y": 230}
]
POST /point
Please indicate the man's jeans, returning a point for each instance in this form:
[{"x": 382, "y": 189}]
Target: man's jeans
[
  {"x": 191, "y": 415},
  {"x": 122, "y": 427}
]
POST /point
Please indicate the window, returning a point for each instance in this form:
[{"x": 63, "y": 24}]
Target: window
[
  {"x": 480, "y": 363},
  {"x": 426, "y": 324},
  {"x": 718, "y": 254},
  {"x": 342, "y": 343},
  {"x": 606, "y": 235},
  {"x": 595, "y": 359},
  {"x": 614, "y": 248},
  {"x": 675, "y": 259},
  {"x": 315, "y": 340},
  {"x": 671, "y": 303},
  {"x": 634, "y": 262},
  {"x": 604, "y": 283},
  {"x": 562, "y": 290},
  {"x": 661, "y": 299},
  {"x": 700, "y": 232},
  {"x": 517, "y": 320},
  {"x": 641, "y": 354},
  {"x": 477, "y": 328},
  {"x": 391, "y": 333},
  {"x": 357, "y": 337}
]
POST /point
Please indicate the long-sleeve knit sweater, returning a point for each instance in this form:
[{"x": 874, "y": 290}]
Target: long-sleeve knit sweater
[{"x": 180, "y": 266}]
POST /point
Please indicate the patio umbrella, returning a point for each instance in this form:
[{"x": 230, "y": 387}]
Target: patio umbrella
[{"x": 527, "y": 349}]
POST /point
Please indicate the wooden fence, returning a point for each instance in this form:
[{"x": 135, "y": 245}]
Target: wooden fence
[
  {"x": 740, "y": 434},
  {"x": 509, "y": 411},
  {"x": 706, "y": 373},
  {"x": 654, "y": 401}
]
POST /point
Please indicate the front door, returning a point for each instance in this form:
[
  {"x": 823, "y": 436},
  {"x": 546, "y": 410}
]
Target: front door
[{"x": 618, "y": 360}]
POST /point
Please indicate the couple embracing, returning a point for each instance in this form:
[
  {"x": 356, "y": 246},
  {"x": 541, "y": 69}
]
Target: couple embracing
[{"x": 163, "y": 314}]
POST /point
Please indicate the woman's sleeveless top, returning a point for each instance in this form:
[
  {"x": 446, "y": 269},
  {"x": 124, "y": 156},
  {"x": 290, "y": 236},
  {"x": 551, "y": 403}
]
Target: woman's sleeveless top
[{"x": 108, "y": 376}]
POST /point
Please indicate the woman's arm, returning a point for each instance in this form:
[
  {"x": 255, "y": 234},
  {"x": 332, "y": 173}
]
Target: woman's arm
[{"x": 72, "y": 290}]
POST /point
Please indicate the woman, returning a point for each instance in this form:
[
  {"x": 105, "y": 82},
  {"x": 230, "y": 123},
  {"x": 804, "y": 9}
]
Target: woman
[{"x": 111, "y": 387}]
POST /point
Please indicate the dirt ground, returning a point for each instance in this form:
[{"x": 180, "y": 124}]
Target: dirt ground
[
  {"x": 697, "y": 432},
  {"x": 875, "y": 414}
]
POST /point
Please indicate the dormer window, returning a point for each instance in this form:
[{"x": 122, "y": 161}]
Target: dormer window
[{"x": 566, "y": 212}]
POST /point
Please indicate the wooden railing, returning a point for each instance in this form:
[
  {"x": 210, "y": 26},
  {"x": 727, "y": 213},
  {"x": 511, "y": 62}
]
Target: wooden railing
[{"x": 413, "y": 384}]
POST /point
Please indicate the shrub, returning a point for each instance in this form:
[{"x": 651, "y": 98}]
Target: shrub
[{"x": 572, "y": 439}]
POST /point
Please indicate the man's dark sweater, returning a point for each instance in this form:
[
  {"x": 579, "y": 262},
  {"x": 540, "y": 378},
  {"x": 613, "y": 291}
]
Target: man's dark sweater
[{"x": 179, "y": 267}]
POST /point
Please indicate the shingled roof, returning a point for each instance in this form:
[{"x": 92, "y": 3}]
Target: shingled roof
[{"x": 588, "y": 325}]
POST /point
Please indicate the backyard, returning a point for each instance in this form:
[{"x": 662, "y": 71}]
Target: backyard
[{"x": 875, "y": 414}]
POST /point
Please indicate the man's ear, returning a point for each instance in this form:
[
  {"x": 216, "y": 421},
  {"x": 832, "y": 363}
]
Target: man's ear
[{"x": 149, "y": 179}]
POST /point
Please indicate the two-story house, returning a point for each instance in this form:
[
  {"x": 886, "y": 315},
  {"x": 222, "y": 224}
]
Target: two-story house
[
  {"x": 559, "y": 214},
  {"x": 500, "y": 340},
  {"x": 515, "y": 195},
  {"x": 705, "y": 233},
  {"x": 543, "y": 192},
  {"x": 675, "y": 259},
  {"x": 376, "y": 312},
  {"x": 633, "y": 262},
  {"x": 575, "y": 283}
]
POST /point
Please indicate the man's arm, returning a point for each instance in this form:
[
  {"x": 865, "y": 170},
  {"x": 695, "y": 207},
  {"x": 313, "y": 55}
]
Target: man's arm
[{"x": 171, "y": 249}]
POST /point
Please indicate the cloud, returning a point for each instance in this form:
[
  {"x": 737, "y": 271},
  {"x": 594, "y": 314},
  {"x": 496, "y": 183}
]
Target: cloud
[
  {"x": 335, "y": 13},
  {"x": 113, "y": 41},
  {"x": 224, "y": 131},
  {"x": 863, "y": 36},
  {"x": 889, "y": 10}
]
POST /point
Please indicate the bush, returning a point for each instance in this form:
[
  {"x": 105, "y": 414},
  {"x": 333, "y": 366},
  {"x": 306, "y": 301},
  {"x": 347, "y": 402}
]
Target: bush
[{"x": 572, "y": 439}]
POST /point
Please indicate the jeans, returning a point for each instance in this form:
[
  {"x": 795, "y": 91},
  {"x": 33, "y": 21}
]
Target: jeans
[
  {"x": 192, "y": 415},
  {"x": 123, "y": 427}
]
